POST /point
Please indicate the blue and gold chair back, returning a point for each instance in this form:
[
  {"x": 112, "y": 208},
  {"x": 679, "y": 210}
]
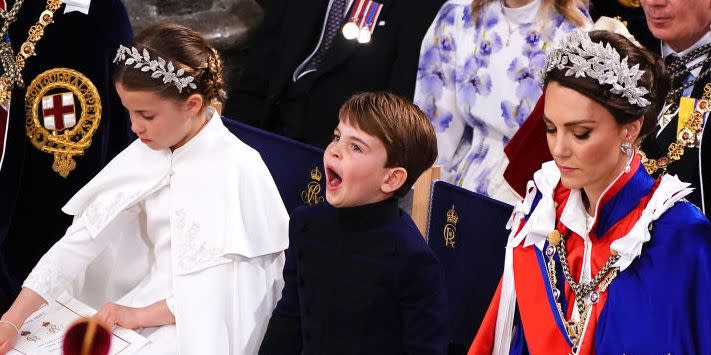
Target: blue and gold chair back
[
  {"x": 467, "y": 232},
  {"x": 297, "y": 168}
]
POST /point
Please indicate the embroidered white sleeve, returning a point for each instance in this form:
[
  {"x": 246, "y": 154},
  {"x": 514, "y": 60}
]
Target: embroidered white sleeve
[
  {"x": 67, "y": 259},
  {"x": 105, "y": 209}
]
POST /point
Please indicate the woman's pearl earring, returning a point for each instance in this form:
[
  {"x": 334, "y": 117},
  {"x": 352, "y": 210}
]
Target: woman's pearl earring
[{"x": 627, "y": 150}]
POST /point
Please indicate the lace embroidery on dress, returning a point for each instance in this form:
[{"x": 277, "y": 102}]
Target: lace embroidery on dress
[
  {"x": 192, "y": 253},
  {"x": 102, "y": 210},
  {"x": 45, "y": 277}
]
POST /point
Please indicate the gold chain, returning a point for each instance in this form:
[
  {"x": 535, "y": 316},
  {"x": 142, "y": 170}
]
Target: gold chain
[
  {"x": 574, "y": 329},
  {"x": 687, "y": 137},
  {"x": 27, "y": 49}
]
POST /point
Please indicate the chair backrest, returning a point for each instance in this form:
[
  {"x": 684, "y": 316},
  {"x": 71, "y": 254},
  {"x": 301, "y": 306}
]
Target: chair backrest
[
  {"x": 467, "y": 232},
  {"x": 422, "y": 191},
  {"x": 297, "y": 168}
]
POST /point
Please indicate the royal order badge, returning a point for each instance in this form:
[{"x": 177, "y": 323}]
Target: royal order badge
[{"x": 63, "y": 111}]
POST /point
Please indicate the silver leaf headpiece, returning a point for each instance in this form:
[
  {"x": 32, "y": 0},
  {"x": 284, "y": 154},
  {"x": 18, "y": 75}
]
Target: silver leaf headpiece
[
  {"x": 585, "y": 58},
  {"x": 158, "y": 67}
]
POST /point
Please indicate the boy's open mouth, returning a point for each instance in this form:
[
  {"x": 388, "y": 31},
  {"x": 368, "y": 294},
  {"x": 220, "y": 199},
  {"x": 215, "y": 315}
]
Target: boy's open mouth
[{"x": 333, "y": 180}]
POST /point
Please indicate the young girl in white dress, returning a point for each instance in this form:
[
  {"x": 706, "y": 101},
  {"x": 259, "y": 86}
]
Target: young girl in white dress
[{"x": 182, "y": 235}]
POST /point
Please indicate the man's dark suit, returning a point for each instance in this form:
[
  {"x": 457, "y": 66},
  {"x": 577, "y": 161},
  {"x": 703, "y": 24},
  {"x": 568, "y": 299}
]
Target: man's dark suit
[
  {"x": 307, "y": 110},
  {"x": 688, "y": 168}
]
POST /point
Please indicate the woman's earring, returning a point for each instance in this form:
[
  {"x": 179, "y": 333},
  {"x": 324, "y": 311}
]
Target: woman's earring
[{"x": 627, "y": 150}]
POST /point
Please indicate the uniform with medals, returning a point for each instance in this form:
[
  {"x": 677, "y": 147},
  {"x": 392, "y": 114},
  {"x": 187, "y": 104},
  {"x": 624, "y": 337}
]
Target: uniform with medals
[
  {"x": 312, "y": 55},
  {"x": 676, "y": 147},
  {"x": 65, "y": 120}
]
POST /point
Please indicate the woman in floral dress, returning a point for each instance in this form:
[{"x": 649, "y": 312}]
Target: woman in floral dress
[{"x": 478, "y": 79}]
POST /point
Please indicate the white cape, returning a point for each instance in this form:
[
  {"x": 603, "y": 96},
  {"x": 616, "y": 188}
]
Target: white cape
[{"x": 228, "y": 229}]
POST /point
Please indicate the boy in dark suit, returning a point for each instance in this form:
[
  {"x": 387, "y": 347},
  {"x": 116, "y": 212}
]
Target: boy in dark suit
[{"x": 359, "y": 277}]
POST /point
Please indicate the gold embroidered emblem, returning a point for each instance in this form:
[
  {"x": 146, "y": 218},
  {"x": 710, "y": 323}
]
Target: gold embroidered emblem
[
  {"x": 312, "y": 195},
  {"x": 51, "y": 119},
  {"x": 450, "y": 229}
]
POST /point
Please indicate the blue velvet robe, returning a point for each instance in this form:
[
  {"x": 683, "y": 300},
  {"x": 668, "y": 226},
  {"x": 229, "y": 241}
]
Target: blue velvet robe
[
  {"x": 657, "y": 305},
  {"x": 31, "y": 193}
]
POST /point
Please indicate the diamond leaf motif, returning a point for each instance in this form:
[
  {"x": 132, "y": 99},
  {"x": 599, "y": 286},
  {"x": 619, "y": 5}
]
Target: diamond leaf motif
[
  {"x": 582, "y": 57},
  {"x": 159, "y": 68}
]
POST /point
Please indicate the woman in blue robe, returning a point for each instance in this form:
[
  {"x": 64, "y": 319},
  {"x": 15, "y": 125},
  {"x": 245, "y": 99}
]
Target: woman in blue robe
[{"x": 602, "y": 258}]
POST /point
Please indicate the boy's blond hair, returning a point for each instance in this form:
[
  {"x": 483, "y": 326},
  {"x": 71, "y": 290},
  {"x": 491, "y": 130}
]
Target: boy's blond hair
[{"x": 405, "y": 130}]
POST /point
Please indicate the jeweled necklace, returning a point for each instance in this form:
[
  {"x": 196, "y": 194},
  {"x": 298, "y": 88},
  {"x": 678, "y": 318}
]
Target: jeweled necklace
[
  {"x": 582, "y": 291},
  {"x": 12, "y": 67}
]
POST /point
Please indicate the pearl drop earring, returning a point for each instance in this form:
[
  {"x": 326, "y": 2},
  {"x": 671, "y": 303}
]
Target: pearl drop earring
[{"x": 627, "y": 150}]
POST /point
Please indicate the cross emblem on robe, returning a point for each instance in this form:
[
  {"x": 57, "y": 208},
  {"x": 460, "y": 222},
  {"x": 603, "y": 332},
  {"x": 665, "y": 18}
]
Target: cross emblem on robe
[{"x": 58, "y": 111}]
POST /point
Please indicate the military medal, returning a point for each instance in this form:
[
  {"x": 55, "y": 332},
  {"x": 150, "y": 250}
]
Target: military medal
[
  {"x": 368, "y": 24},
  {"x": 361, "y": 22},
  {"x": 350, "y": 29}
]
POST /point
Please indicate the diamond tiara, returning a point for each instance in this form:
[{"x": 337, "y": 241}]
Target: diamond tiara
[
  {"x": 158, "y": 66},
  {"x": 585, "y": 58}
]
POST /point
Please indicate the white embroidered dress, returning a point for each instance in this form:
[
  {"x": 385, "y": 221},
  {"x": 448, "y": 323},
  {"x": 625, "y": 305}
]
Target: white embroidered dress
[
  {"x": 202, "y": 227},
  {"x": 479, "y": 82}
]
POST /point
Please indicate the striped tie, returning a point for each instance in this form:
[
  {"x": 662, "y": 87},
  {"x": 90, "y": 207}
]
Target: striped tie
[{"x": 333, "y": 26}]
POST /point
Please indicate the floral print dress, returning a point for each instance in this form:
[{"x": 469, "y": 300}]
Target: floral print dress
[{"x": 479, "y": 82}]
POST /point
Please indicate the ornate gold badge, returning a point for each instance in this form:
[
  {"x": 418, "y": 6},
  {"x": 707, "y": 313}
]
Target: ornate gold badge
[
  {"x": 450, "y": 229},
  {"x": 312, "y": 195},
  {"x": 689, "y": 132},
  {"x": 63, "y": 111}
]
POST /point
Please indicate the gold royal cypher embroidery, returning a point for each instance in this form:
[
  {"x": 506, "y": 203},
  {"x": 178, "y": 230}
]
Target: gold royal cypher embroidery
[
  {"x": 450, "y": 229},
  {"x": 51, "y": 120},
  {"x": 312, "y": 195}
]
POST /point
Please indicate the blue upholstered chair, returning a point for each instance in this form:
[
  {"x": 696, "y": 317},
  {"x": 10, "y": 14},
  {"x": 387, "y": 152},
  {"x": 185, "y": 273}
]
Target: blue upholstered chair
[
  {"x": 297, "y": 168},
  {"x": 467, "y": 232}
]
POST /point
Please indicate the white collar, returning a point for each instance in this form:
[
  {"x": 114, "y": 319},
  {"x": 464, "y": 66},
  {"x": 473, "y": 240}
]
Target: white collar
[
  {"x": 77, "y": 5},
  {"x": 521, "y": 15},
  {"x": 212, "y": 125},
  {"x": 575, "y": 216},
  {"x": 541, "y": 221},
  {"x": 706, "y": 39}
]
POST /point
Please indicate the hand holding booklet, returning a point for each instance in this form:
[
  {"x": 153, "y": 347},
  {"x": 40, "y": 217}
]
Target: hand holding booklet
[{"x": 43, "y": 332}]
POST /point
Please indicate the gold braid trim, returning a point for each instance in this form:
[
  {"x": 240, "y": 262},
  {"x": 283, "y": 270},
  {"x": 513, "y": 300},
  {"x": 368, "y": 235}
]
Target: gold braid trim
[
  {"x": 687, "y": 137},
  {"x": 27, "y": 49}
]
